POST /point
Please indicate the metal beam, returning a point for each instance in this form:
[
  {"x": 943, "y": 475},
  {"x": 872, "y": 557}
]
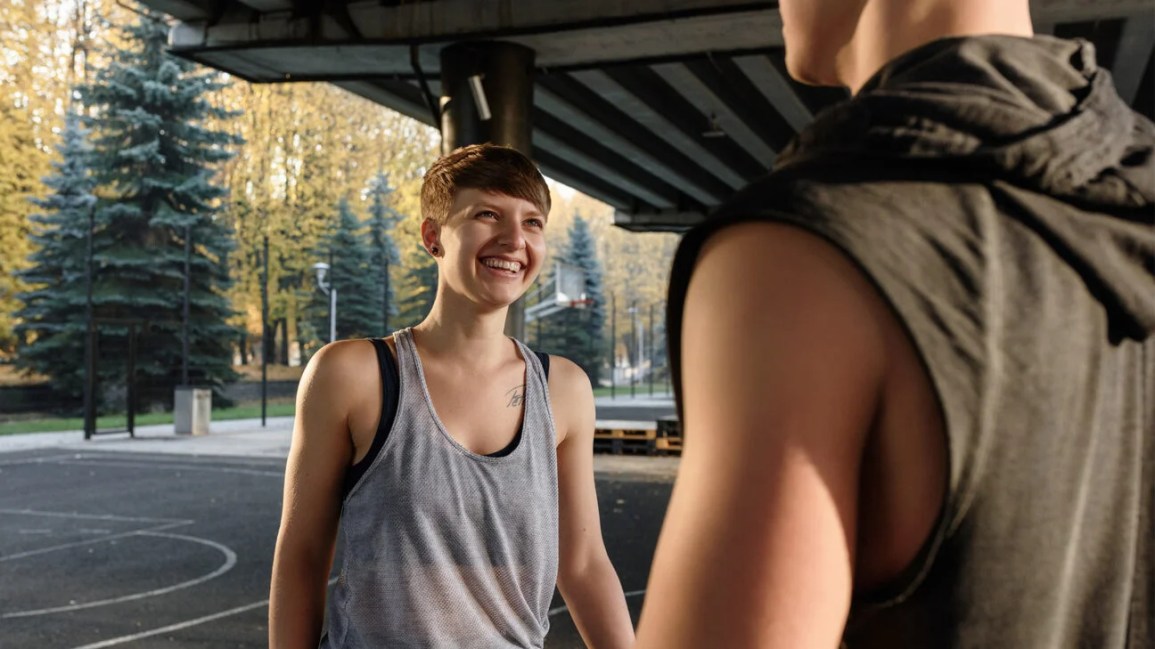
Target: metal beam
[
  {"x": 568, "y": 100},
  {"x": 660, "y": 108},
  {"x": 561, "y": 34},
  {"x": 776, "y": 89},
  {"x": 658, "y": 221},
  {"x": 400, "y": 96},
  {"x": 726, "y": 82},
  {"x": 182, "y": 9},
  {"x": 268, "y": 6},
  {"x": 563, "y": 171},
  {"x": 1064, "y": 11},
  {"x": 620, "y": 170},
  {"x": 717, "y": 113},
  {"x": 595, "y": 157},
  {"x": 736, "y": 21}
]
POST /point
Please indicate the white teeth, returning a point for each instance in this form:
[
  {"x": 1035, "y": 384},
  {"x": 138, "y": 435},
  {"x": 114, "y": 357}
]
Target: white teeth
[{"x": 511, "y": 266}]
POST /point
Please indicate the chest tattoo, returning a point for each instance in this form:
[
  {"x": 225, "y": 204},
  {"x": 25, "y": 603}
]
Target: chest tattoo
[{"x": 516, "y": 397}]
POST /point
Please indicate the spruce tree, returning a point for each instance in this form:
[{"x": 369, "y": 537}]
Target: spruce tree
[
  {"x": 383, "y": 251},
  {"x": 418, "y": 284},
  {"x": 350, "y": 272},
  {"x": 577, "y": 333},
  {"x": 53, "y": 317},
  {"x": 155, "y": 159}
]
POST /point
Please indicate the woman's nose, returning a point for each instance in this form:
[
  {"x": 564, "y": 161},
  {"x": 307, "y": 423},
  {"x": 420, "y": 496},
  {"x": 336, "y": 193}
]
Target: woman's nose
[{"x": 513, "y": 235}]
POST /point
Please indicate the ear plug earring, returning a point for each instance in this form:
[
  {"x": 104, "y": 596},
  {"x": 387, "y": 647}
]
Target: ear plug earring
[{"x": 434, "y": 250}]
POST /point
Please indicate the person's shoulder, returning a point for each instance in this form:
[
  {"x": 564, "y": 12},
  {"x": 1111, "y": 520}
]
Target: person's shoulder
[
  {"x": 341, "y": 365},
  {"x": 572, "y": 397},
  {"x": 761, "y": 271},
  {"x": 566, "y": 375}
]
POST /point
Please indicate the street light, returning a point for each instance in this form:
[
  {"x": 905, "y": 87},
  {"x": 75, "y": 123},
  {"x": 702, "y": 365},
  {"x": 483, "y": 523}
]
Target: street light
[
  {"x": 637, "y": 335},
  {"x": 322, "y": 271}
]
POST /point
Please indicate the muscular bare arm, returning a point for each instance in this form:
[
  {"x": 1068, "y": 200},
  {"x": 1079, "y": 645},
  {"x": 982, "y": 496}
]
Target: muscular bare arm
[
  {"x": 586, "y": 578},
  {"x": 319, "y": 457},
  {"x": 783, "y": 368}
]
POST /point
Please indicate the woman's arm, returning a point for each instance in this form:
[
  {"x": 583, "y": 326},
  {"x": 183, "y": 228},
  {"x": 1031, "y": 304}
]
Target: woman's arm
[
  {"x": 586, "y": 578},
  {"x": 319, "y": 456}
]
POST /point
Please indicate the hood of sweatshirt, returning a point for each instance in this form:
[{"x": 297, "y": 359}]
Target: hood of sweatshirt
[{"x": 1038, "y": 114}]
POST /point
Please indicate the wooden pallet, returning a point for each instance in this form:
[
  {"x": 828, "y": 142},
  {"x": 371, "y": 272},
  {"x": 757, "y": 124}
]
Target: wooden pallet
[
  {"x": 669, "y": 441},
  {"x": 668, "y": 445},
  {"x": 638, "y": 437},
  {"x": 618, "y": 437}
]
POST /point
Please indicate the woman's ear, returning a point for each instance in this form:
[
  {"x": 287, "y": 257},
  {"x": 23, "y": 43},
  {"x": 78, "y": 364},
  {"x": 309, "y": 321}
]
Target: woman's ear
[{"x": 431, "y": 237}]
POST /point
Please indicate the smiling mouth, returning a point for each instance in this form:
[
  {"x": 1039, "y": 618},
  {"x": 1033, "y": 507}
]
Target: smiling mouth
[{"x": 502, "y": 264}]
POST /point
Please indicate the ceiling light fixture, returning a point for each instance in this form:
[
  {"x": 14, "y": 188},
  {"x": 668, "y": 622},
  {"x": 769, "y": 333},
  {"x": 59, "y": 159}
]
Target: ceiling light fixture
[{"x": 479, "y": 99}]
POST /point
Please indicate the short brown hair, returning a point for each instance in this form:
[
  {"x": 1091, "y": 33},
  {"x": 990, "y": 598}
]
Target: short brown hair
[{"x": 487, "y": 167}]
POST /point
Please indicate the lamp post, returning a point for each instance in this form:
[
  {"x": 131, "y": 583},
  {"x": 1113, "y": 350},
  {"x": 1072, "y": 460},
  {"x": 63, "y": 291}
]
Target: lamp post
[
  {"x": 613, "y": 346},
  {"x": 650, "y": 350},
  {"x": 636, "y": 361},
  {"x": 328, "y": 289}
]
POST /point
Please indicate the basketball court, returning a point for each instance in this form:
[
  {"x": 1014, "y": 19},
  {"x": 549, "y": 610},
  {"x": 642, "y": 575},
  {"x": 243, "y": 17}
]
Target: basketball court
[{"x": 155, "y": 543}]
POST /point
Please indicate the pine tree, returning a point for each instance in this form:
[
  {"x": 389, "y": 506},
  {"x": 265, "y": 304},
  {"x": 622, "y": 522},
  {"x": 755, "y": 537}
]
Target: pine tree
[
  {"x": 350, "y": 272},
  {"x": 418, "y": 285},
  {"x": 384, "y": 255},
  {"x": 53, "y": 317},
  {"x": 155, "y": 162},
  {"x": 577, "y": 333}
]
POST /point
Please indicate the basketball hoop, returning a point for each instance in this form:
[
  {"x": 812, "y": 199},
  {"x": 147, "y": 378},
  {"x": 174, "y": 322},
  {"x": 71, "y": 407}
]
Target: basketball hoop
[{"x": 566, "y": 290}]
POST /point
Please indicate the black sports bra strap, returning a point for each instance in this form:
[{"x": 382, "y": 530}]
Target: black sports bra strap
[{"x": 390, "y": 396}]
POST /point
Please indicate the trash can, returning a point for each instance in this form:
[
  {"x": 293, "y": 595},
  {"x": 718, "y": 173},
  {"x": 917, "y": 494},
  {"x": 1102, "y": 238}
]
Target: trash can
[{"x": 192, "y": 410}]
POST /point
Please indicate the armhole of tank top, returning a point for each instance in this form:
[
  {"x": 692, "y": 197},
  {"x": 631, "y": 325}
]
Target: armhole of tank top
[
  {"x": 390, "y": 396},
  {"x": 686, "y": 256},
  {"x": 544, "y": 358}
]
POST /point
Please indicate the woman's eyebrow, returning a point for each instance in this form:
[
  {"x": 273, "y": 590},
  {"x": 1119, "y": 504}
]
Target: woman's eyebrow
[{"x": 496, "y": 208}]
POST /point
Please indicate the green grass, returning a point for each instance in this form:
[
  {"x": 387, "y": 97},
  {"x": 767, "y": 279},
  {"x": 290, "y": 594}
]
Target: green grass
[{"x": 249, "y": 411}]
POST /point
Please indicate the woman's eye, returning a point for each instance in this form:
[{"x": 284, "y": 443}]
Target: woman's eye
[
  {"x": 486, "y": 214},
  {"x": 536, "y": 223}
]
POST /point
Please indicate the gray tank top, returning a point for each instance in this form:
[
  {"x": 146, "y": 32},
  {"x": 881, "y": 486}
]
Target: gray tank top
[{"x": 442, "y": 547}]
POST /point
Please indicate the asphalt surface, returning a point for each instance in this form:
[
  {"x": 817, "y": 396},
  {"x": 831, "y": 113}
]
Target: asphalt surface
[{"x": 167, "y": 542}]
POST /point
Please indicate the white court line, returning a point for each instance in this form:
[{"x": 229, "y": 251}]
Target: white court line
[
  {"x": 179, "y": 625},
  {"x": 99, "y": 539},
  {"x": 166, "y": 466},
  {"x": 94, "y": 517},
  {"x": 39, "y": 460},
  {"x": 230, "y": 561},
  {"x": 173, "y": 627},
  {"x": 558, "y": 609}
]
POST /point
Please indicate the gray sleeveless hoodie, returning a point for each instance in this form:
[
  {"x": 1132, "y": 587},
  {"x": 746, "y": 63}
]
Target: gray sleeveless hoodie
[
  {"x": 443, "y": 547},
  {"x": 1001, "y": 197}
]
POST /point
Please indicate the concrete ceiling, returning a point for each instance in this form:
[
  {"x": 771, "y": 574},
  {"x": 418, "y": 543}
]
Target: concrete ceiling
[{"x": 661, "y": 108}]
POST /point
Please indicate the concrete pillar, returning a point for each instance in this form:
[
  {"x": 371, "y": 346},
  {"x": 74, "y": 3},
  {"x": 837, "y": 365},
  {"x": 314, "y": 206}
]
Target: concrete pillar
[{"x": 505, "y": 73}]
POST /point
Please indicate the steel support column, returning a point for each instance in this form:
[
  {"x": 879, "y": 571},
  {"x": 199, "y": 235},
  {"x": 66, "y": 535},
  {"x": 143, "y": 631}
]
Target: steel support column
[{"x": 497, "y": 77}]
